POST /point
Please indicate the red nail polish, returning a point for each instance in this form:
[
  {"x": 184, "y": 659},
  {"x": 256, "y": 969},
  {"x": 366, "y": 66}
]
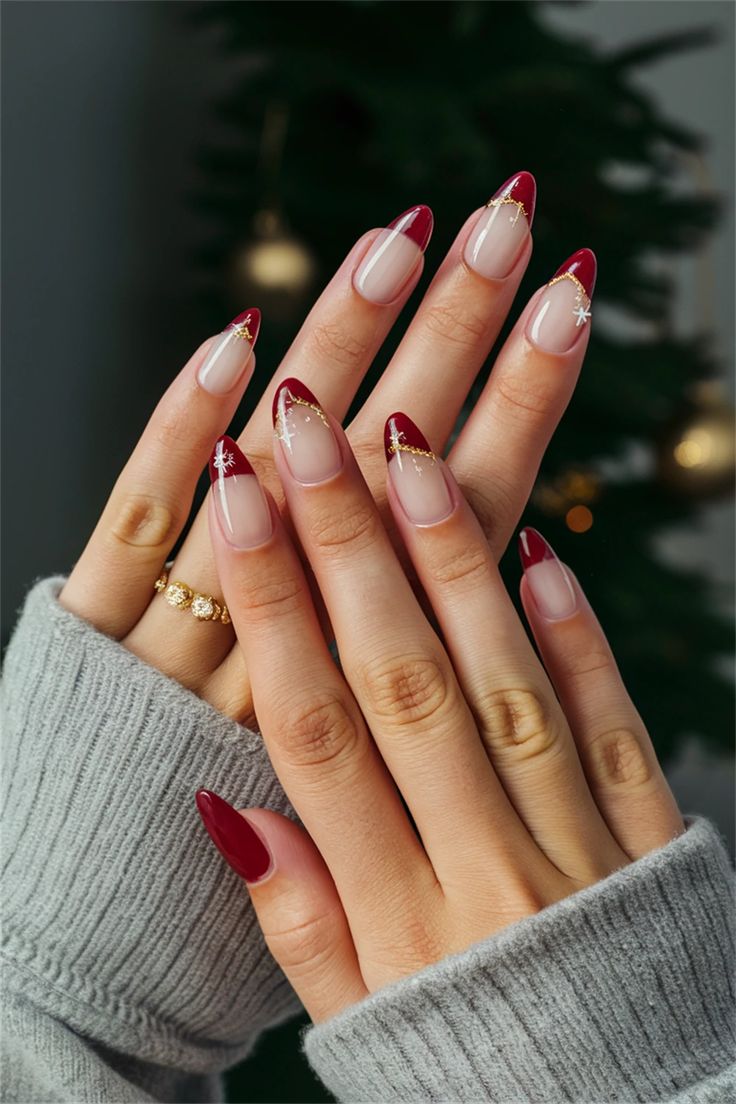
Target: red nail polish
[
  {"x": 291, "y": 389},
  {"x": 521, "y": 188},
  {"x": 401, "y": 431},
  {"x": 533, "y": 548},
  {"x": 416, "y": 223},
  {"x": 247, "y": 324},
  {"x": 583, "y": 267},
  {"x": 235, "y": 839},
  {"x": 227, "y": 459}
]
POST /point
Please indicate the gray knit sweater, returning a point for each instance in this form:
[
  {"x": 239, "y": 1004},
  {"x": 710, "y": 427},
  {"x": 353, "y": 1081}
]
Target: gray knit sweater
[{"x": 135, "y": 970}]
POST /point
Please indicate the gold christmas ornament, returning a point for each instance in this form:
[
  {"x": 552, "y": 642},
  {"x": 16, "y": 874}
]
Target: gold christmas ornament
[{"x": 697, "y": 454}]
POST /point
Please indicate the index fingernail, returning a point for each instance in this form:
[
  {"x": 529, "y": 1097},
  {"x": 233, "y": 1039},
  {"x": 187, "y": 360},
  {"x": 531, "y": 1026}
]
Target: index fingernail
[{"x": 240, "y": 504}]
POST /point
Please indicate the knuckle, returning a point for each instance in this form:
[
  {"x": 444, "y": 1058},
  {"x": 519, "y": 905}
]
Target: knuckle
[
  {"x": 339, "y": 345},
  {"x": 304, "y": 947},
  {"x": 516, "y": 724},
  {"x": 455, "y": 323},
  {"x": 619, "y": 760},
  {"x": 268, "y": 595},
  {"x": 493, "y": 507},
  {"x": 145, "y": 522},
  {"x": 463, "y": 567},
  {"x": 405, "y": 690},
  {"x": 318, "y": 733},
  {"x": 591, "y": 662},
  {"x": 353, "y": 526},
  {"x": 522, "y": 397},
  {"x": 173, "y": 425}
]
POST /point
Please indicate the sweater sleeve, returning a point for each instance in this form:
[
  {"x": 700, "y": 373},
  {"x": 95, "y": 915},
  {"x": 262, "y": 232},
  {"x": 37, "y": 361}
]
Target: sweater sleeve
[
  {"x": 134, "y": 967},
  {"x": 622, "y": 992}
]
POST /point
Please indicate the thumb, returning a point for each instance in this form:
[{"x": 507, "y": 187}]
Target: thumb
[{"x": 295, "y": 900}]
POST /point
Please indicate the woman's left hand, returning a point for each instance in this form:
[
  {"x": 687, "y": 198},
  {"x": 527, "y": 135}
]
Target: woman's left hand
[{"x": 448, "y": 781}]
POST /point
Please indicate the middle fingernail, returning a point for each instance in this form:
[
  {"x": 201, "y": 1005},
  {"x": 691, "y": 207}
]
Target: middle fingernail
[
  {"x": 394, "y": 255},
  {"x": 502, "y": 228},
  {"x": 415, "y": 473},
  {"x": 305, "y": 434},
  {"x": 563, "y": 309},
  {"x": 240, "y": 504}
]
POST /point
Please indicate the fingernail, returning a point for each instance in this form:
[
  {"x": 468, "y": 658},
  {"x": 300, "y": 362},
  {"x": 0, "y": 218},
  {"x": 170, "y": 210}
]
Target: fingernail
[
  {"x": 563, "y": 309},
  {"x": 301, "y": 425},
  {"x": 240, "y": 504},
  {"x": 549, "y": 582},
  {"x": 502, "y": 228},
  {"x": 230, "y": 354},
  {"x": 415, "y": 473},
  {"x": 235, "y": 839},
  {"x": 394, "y": 255}
]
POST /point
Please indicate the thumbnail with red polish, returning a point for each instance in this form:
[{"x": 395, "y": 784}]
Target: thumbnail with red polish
[
  {"x": 394, "y": 255},
  {"x": 235, "y": 839},
  {"x": 502, "y": 228},
  {"x": 230, "y": 355},
  {"x": 563, "y": 309},
  {"x": 415, "y": 472},
  {"x": 240, "y": 504},
  {"x": 549, "y": 582}
]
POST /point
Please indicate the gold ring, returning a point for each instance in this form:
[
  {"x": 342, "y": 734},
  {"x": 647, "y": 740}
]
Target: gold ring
[{"x": 203, "y": 606}]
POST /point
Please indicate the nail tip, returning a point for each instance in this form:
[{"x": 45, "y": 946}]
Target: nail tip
[
  {"x": 251, "y": 320},
  {"x": 583, "y": 264},
  {"x": 415, "y": 223},
  {"x": 533, "y": 547},
  {"x": 399, "y": 426},
  {"x": 227, "y": 458},
  {"x": 521, "y": 186},
  {"x": 298, "y": 389}
]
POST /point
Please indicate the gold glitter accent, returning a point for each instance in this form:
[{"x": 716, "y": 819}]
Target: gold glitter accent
[
  {"x": 297, "y": 401},
  {"x": 582, "y": 293},
  {"x": 242, "y": 331},
  {"x": 399, "y": 446},
  {"x": 500, "y": 201}
]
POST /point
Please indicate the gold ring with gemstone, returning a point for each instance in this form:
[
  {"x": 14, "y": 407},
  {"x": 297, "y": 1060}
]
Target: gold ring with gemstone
[{"x": 202, "y": 606}]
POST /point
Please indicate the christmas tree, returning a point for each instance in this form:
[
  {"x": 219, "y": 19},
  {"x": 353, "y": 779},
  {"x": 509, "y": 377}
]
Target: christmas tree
[{"x": 348, "y": 112}]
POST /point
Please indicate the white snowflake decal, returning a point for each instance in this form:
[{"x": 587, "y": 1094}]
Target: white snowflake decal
[
  {"x": 582, "y": 314},
  {"x": 223, "y": 460}
]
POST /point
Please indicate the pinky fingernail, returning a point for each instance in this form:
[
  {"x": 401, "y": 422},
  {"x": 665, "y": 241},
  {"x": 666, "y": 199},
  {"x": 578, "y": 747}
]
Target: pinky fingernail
[
  {"x": 230, "y": 354},
  {"x": 549, "y": 582},
  {"x": 235, "y": 839}
]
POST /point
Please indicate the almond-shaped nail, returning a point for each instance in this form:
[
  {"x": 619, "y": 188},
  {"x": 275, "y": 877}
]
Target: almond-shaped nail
[
  {"x": 394, "y": 255},
  {"x": 502, "y": 228},
  {"x": 305, "y": 435},
  {"x": 230, "y": 355},
  {"x": 549, "y": 582},
  {"x": 240, "y": 504},
  {"x": 234, "y": 837},
  {"x": 415, "y": 473},
  {"x": 563, "y": 309}
]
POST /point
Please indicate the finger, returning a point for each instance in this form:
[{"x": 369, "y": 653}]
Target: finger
[
  {"x": 312, "y": 727},
  {"x": 456, "y": 324},
  {"x": 112, "y": 582},
  {"x": 497, "y": 455},
  {"x": 623, "y": 773},
  {"x": 295, "y": 900},
  {"x": 394, "y": 663},
  {"x": 339, "y": 339},
  {"x": 520, "y": 721}
]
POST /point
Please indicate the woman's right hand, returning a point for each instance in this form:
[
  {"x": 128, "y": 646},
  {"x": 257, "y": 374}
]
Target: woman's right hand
[{"x": 495, "y": 458}]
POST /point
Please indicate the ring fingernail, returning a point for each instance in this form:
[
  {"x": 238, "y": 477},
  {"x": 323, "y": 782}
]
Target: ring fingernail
[
  {"x": 394, "y": 255},
  {"x": 549, "y": 582},
  {"x": 415, "y": 474},
  {"x": 563, "y": 309},
  {"x": 240, "y": 504},
  {"x": 305, "y": 434},
  {"x": 230, "y": 354},
  {"x": 502, "y": 228},
  {"x": 234, "y": 837}
]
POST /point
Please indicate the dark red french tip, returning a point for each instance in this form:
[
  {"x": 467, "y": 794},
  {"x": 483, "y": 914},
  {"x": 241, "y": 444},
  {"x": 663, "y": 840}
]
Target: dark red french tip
[
  {"x": 249, "y": 322},
  {"x": 227, "y": 459},
  {"x": 416, "y": 223},
  {"x": 238, "y": 843},
  {"x": 523, "y": 188},
  {"x": 287, "y": 388},
  {"x": 400, "y": 429},
  {"x": 584, "y": 267},
  {"x": 533, "y": 548}
]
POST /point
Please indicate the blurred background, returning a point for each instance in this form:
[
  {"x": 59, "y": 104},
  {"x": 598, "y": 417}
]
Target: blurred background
[{"x": 167, "y": 164}]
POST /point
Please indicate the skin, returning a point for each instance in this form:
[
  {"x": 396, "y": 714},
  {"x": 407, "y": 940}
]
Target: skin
[{"x": 512, "y": 816}]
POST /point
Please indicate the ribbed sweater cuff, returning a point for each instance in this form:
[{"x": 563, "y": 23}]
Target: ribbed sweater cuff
[
  {"x": 621, "y": 992},
  {"x": 120, "y": 919}
]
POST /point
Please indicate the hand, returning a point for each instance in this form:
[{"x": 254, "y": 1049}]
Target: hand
[
  {"x": 448, "y": 789},
  {"x": 495, "y": 458}
]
